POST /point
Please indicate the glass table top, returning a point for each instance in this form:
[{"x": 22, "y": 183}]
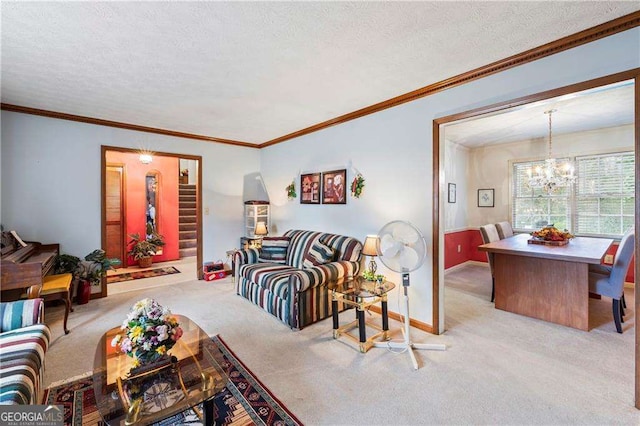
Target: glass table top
[
  {"x": 193, "y": 375},
  {"x": 358, "y": 287}
]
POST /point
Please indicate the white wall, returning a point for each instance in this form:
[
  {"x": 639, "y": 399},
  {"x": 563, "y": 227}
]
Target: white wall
[
  {"x": 51, "y": 168},
  {"x": 456, "y": 170},
  {"x": 489, "y": 167},
  {"x": 393, "y": 151},
  {"x": 51, "y": 181}
]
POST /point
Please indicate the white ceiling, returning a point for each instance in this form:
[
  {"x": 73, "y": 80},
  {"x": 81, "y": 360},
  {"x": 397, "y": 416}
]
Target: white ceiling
[
  {"x": 606, "y": 106},
  {"x": 254, "y": 71}
]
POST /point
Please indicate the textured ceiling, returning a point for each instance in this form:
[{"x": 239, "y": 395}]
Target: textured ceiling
[
  {"x": 254, "y": 71},
  {"x": 606, "y": 106}
]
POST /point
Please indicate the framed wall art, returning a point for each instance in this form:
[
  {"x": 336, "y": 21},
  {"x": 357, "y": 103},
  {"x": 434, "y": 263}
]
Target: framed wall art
[
  {"x": 333, "y": 187},
  {"x": 452, "y": 193},
  {"x": 310, "y": 187},
  {"x": 485, "y": 197}
]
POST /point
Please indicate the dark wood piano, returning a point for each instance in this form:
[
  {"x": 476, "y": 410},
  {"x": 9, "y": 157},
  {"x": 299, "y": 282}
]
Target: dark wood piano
[{"x": 23, "y": 267}]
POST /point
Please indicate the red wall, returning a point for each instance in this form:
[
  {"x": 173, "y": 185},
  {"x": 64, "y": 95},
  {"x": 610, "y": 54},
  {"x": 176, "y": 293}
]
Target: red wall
[
  {"x": 470, "y": 239},
  {"x": 630, "y": 278},
  {"x": 136, "y": 203}
]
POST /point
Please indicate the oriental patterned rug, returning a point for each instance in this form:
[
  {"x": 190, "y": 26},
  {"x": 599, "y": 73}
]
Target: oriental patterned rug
[
  {"x": 244, "y": 401},
  {"x": 127, "y": 276}
]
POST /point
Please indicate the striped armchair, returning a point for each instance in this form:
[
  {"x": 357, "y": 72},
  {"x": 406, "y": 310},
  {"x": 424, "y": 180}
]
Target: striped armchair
[
  {"x": 293, "y": 290},
  {"x": 24, "y": 339}
]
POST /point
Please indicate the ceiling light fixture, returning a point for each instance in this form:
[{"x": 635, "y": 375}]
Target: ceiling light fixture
[
  {"x": 551, "y": 176},
  {"x": 145, "y": 158}
]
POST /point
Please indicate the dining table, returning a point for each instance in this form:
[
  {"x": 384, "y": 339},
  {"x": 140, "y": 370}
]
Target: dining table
[{"x": 547, "y": 282}]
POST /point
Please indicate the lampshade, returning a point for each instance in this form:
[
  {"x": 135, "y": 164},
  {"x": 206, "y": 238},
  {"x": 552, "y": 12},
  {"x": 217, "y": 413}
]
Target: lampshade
[
  {"x": 261, "y": 229},
  {"x": 370, "y": 244}
]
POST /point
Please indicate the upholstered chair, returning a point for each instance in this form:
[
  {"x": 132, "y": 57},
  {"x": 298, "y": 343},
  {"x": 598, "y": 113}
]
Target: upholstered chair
[
  {"x": 609, "y": 280},
  {"x": 490, "y": 234},
  {"x": 504, "y": 230}
]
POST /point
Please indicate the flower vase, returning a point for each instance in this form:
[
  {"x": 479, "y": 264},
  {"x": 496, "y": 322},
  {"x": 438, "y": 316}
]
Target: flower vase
[
  {"x": 150, "y": 362},
  {"x": 83, "y": 293}
]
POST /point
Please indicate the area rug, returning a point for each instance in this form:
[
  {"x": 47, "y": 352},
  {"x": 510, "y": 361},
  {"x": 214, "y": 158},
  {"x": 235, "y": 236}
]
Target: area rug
[
  {"x": 244, "y": 401},
  {"x": 127, "y": 276}
]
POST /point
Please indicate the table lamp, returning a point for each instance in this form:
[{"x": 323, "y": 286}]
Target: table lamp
[
  {"x": 261, "y": 229},
  {"x": 370, "y": 249}
]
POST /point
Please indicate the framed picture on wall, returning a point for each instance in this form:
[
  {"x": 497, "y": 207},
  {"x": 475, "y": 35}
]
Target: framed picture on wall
[
  {"x": 333, "y": 187},
  {"x": 452, "y": 193},
  {"x": 310, "y": 187},
  {"x": 485, "y": 197}
]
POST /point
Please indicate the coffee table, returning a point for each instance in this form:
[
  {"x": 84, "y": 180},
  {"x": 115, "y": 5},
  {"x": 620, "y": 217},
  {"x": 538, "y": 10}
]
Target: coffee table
[
  {"x": 361, "y": 294},
  {"x": 193, "y": 376}
]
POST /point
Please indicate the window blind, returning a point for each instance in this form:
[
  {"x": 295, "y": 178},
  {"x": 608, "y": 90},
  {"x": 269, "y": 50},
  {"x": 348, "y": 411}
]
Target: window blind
[{"x": 600, "y": 203}]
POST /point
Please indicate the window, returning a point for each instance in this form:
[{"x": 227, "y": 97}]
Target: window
[
  {"x": 600, "y": 203},
  {"x": 604, "y": 193}
]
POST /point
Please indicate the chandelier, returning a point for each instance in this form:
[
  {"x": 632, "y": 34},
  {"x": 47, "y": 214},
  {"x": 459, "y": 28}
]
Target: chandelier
[{"x": 552, "y": 175}]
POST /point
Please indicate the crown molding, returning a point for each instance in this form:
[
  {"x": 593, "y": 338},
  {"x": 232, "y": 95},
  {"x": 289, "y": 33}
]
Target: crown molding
[
  {"x": 120, "y": 125},
  {"x": 589, "y": 35}
]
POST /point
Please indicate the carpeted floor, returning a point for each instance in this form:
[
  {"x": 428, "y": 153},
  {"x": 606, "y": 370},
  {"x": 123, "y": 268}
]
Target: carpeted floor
[
  {"x": 244, "y": 401},
  {"x": 149, "y": 273},
  {"x": 499, "y": 368}
]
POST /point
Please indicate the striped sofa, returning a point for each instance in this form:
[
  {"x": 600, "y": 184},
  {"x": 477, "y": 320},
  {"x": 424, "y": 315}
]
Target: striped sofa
[
  {"x": 24, "y": 339},
  {"x": 295, "y": 294}
]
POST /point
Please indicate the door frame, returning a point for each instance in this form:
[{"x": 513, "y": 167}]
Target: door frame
[
  {"x": 103, "y": 213},
  {"x": 437, "y": 318}
]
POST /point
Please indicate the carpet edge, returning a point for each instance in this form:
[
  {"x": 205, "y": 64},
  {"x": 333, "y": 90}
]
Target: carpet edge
[{"x": 293, "y": 416}]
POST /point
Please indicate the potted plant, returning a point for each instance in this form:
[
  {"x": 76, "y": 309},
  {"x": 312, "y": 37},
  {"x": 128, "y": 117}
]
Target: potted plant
[
  {"x": 143, "y": 250},
  {"x": 184, "y": 176},
  {"x": 91, "y": 271},
  {"x": 87, "y": 272}
]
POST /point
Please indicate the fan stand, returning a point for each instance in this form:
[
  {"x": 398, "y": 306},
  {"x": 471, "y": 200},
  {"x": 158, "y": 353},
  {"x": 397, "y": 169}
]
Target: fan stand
[{"x": 407, "y": 344}]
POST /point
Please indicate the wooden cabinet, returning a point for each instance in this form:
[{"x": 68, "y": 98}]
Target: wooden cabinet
[{"x": 253, "y": 213}]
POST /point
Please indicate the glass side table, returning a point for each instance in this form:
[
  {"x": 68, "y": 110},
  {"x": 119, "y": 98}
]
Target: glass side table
[
  {"x": 194, "y": 375},
  {"x": 361, "y": 294}
]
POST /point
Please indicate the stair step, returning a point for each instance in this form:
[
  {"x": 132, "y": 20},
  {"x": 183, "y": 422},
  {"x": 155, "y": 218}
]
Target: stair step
[
  {"x": 188, "y": 243},
  {"x": 188, "y": 252},
  {"x": 187, "y": 227},
  {"x": 186, "y": 197},
  {"x": 188, "y": 235},
  {"x": 187, "y": 191},
  {"x": 187, "y": 212},
  {"x": 187, "y": 205},
  {"x": 187, "y": 219},
  {"x": 188, "y": 185}
]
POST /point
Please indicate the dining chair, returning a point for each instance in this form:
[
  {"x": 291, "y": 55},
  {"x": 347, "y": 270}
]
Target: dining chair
[
  {"x": 504, "y": 230},
  {"x": 609, "y": 280},
  {"x": 490, "y": 234}
]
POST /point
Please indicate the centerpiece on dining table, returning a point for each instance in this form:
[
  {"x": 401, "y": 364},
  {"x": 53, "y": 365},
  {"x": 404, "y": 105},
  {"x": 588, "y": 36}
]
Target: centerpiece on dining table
[
  {"x": 150, "y": 331},
  {"x": 551, "y": 236}
]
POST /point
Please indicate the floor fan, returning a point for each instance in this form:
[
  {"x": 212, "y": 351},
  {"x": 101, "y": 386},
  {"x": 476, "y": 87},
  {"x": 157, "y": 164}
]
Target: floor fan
[{"x": 402, "y": 248}]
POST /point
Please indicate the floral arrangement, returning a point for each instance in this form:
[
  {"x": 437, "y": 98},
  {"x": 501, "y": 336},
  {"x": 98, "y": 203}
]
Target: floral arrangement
[
  {"x": 149, "y": 332},
  {"x": 551, "y": 233},
  {"x": 291, "y": 190},
  {"x": 184, "y": 172},
  {"x": 357, "y": 186}
]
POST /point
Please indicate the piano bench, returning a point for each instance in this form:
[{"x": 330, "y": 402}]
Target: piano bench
[{"x": 58, "y": 287}]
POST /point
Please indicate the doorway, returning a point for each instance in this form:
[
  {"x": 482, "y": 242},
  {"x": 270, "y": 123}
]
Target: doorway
[
  {"x": 439, "y": 189},
  {"x": 143, "y": 197}
]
